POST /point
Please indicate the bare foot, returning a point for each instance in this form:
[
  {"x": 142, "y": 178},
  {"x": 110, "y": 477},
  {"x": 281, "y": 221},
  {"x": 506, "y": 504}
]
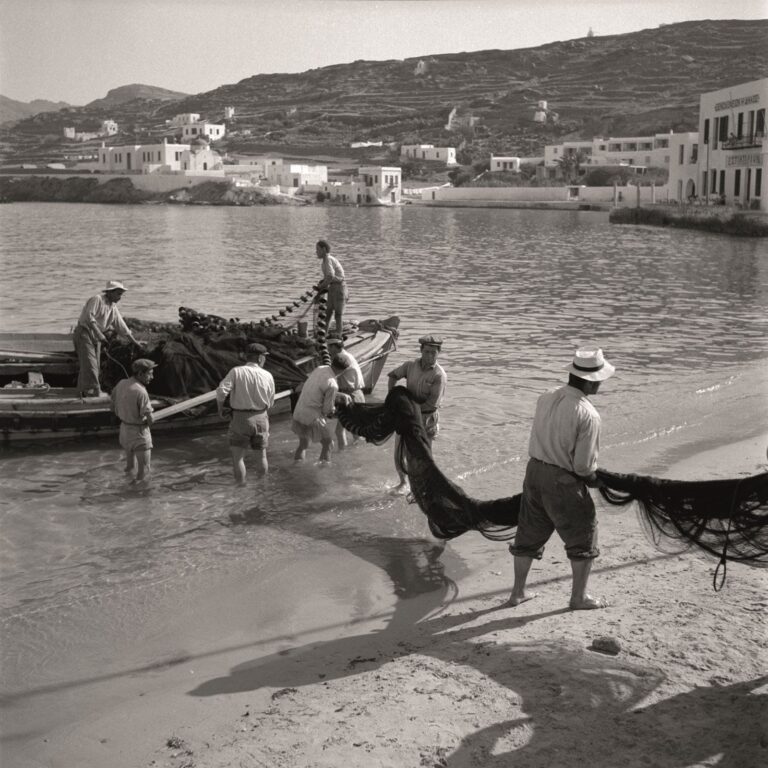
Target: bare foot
[
  {"x": 588, "y": 603},
  {"x": 400, "y": 489},
  {"x": 299, "y": 455},
  {"x": 515, "y": 600}
]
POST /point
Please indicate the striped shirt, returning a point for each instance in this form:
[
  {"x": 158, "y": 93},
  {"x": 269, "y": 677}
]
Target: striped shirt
[{"x": 566, "y": 431}]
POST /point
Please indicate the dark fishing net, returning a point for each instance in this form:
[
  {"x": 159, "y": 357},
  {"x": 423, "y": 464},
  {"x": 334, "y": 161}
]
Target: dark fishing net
[
  {"x": 727, "y": 518},
  {"x": 450, "y": 512}
]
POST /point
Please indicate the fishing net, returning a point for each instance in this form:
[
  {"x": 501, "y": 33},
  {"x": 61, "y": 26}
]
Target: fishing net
[
  {"x": 194, "y": 355},
  {"x": 727, "y": 518}
]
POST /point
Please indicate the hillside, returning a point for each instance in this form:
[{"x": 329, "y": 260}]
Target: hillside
[
  {"x": 12, "y": 110},
  {"x": 128, "y": 93},
  {"x": 637, "y": 83}
]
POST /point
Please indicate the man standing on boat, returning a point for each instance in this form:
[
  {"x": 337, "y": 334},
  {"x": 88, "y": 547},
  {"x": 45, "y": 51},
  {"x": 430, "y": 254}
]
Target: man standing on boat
[
  {"x": 251, "y": 393},
  {"x": 350, "y": 381},
  {"x": 131, "y": 404},
  {"x": 425, "y": 380},
  {"x": 99, "y": 318},
  {"x": 335, "y": 282},
  {"x": 563, "y": 449}
]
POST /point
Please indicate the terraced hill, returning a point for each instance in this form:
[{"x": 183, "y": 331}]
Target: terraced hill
[{"x": 637, "y": 83}]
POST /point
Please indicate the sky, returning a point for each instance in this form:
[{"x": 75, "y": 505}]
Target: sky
[{"x": 77, "y": 50}]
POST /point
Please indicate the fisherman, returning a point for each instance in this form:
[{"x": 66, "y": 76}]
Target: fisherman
[
  {"x": 350, "y": 381},
  {"x": 99, "y": 319},
  {"x": 315, "y": 407},
  {"x": 563, "y": 449},
  {"x": 131, "y": 404},
  {"x": 425, "y": 379},
  {"x": 245, "y": 395},
  {"x": 335, "y": 282}
]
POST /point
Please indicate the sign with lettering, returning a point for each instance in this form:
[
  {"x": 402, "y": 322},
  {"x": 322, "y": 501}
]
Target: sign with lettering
[
  {"x": 733, "y": 103},
  {"x": 744, "y": 159}
]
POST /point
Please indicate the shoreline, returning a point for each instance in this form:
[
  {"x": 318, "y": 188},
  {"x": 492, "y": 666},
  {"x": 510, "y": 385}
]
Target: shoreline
[{"x": 320, "y": 663}]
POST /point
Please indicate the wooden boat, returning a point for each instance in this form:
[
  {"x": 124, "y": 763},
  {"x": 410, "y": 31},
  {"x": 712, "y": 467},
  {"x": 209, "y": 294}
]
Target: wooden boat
[{"x": 52, "y": 408}]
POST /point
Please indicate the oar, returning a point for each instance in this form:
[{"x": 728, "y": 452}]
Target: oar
[{"x": 185, "y": 405}]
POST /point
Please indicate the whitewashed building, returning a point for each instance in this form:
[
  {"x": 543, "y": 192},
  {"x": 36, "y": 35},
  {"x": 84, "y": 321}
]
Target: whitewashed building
[
  {"x": 108, "y": 128},
  {"x": 372, "y": 185},
  {"x": 295, "y": 176},
  {"x": 732, "y": 146},
  {"x": 202, "y": 128},
  {"x": 159, "y": 158},
  {"x": 682, "y": 183},
  {"x": 445, "y": 155},
  {"x": 646, "y": 151},
  {"x": 184, "y": 119}
]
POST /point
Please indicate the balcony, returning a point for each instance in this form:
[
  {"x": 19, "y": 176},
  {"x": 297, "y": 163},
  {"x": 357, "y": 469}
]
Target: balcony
[{"x": 744, "y": 142}]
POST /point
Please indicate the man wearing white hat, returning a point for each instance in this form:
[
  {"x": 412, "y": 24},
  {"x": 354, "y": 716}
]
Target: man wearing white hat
[
  {"x": 563, "y": 449},
  {"x": 99, "y": 317}
]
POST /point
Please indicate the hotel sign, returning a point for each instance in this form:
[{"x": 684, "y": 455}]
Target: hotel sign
[
  {"x": 744, "y": 159},
  {"x": 733, "y": 103}
]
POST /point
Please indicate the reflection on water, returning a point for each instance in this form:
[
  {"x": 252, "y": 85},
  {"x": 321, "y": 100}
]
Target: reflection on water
[{"x": 682, "y": 315}]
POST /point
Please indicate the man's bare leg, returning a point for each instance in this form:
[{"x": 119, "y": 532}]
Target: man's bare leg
[
  {"x": 144, "y": 460},
  {"x": 262, "y": 466},
  {"x": 238, "y": 463},
  {"x": 301, "y": 451},
  {"x": 519, "y": 593},
  {"x": 580, "y": 600},
  {"x": 130, "y": 462},
  {"x": 341, "y": 437},
  {"x": 325, "y": 453}
]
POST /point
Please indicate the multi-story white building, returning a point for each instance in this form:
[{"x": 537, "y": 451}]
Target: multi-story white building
[
  {"x": 294, "y": 175},
  {"x": 184, "y": 119},
  {"x": 445, "y": 155},
  {"x": 630, "y": 150},
  {"x": 193, "y": 130},
  {"x": 732, "y": 146},
  {"x": 158, "y": 158},
  {"x": 372, "y": 185},
  {"x": 682, "y": 184},
  {"x": 108, "y": 128}
]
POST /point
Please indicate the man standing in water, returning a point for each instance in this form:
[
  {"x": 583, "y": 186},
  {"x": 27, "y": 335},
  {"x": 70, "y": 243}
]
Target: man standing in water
[
  {"x": 315, "y": 406},
  {"x": 98, "y": 318},
  {"x": 251, "y": 392},
  {"x": 131, "y": 404},
  {"x": 425, "y": 380},
  {"x": 563, "y": 449},
  {"x": 335, "y": 282},
  {"x": 350, "y": 381}
]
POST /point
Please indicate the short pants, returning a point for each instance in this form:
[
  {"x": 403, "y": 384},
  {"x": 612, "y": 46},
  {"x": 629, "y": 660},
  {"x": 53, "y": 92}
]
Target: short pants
[
  {"x": 249, "y": 429},
  {"x": 135, "y": 437},
  {"x": 555, "y": 500}
]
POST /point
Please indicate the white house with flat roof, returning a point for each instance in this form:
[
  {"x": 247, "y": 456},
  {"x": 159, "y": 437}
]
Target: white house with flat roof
[
  {"x": 732, "y": 146},
  {"x": 211, "y": 131},
  {"x": 445, "y": 155},
  {"x": 682, "y": 183},
  {"x": 184, "y": 119},
  {"x": 159, "y": 158},
  {"x": 372, "y": 185},
  {"x": 294, "y": 176},
  {"x": 628, "y": 150}
]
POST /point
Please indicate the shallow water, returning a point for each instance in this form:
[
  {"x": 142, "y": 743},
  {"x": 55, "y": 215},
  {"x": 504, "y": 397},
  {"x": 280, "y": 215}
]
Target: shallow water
[{"x": 683, "y": 315}]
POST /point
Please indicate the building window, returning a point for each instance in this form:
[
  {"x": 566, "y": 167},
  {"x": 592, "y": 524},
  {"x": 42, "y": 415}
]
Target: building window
[
  {"x": 722, "y": 181},
  {"x": 706, "y": 131},
  {"x": 713, "y": 184},
  {"x": 723, "y": 135},
  {"x": 760, "y": 123},
  {"x": 681, "y": 156},
  {"x": 758, "y": 181},
  {"x": 737, "y": 182},
  {"x": 740, "y": 125}
]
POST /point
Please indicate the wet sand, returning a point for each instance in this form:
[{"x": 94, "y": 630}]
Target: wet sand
[{"x": 320, "y": 663}]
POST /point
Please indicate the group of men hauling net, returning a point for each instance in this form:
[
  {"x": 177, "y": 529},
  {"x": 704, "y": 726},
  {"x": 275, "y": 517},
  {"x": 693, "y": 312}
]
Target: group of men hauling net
[{"x": 724, "y": 517}]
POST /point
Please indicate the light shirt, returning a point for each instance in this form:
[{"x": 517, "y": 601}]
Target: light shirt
[
  {"x": 249, "y": 386},
  {"x": 351, "y": 378},
  {"x": 98, "y": 316},
  {"x": 130, "y": 401},
  {"x": 566, "y": 431},
  {"x": 332, "y": 269},
  {"x": 427, "y": 385},
  {"x": 317, "y": 397}
]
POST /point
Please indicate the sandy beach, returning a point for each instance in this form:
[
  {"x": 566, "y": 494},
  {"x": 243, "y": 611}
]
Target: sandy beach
[{"x": 442, "y": 674}]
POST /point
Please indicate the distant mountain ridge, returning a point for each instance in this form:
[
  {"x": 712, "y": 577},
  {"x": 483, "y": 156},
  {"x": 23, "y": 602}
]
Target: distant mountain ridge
[
  {"x": 638, "y": 83},
  {"x": 127, "y": 93},
  {"x": 11, "y": 109}
]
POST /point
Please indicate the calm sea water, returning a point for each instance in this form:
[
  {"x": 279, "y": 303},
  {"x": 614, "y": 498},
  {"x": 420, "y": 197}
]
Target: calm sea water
[{"x": 683, "y": 316}]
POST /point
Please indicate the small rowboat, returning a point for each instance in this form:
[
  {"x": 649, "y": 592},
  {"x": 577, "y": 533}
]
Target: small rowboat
[{"x": 38, "y": 398}]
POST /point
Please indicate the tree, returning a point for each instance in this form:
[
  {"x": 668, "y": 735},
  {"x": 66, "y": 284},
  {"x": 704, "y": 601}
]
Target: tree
[{"x": 570, "y": 165}]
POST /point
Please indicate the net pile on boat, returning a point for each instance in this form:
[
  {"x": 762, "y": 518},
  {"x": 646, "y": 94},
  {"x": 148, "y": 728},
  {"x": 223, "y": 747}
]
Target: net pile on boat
[
  {"x": 194, "y": 354},
  {"x": 726, "y": 518}
]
